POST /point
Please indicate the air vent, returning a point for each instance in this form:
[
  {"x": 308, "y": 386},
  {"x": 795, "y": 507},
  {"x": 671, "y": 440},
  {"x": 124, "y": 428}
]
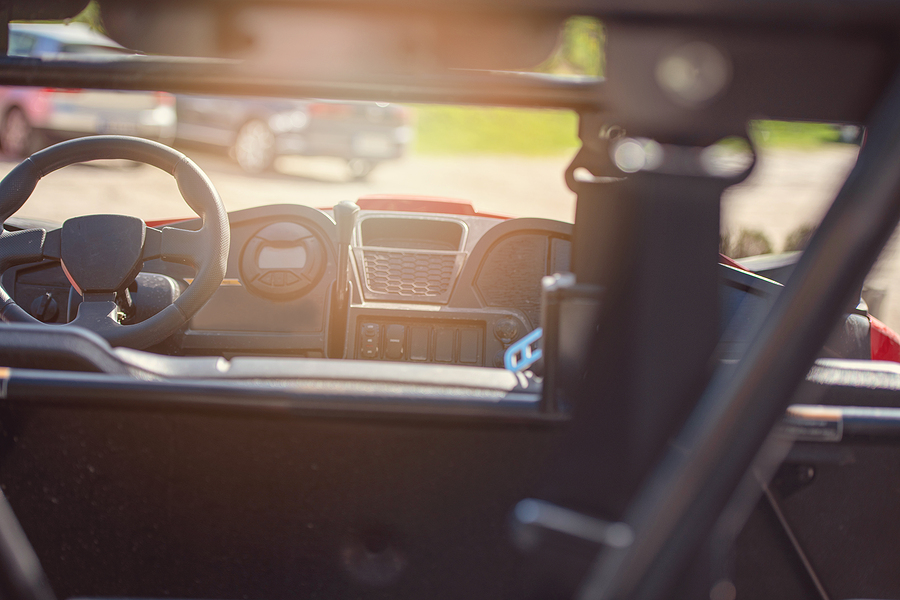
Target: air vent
[
  {"x": 412, "y": 233},
  {"x": 511, "y": 273},
  {"x": 409, "y": 259}
]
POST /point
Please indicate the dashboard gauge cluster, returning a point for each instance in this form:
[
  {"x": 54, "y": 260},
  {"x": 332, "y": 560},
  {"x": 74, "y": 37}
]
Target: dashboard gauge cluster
[
  {"x": 275, "y": 298},
  {"x": 282, "y": 261}
]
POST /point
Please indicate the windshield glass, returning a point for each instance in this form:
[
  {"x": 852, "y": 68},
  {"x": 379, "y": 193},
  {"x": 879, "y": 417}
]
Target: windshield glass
[{"x": 265, "y": 151}]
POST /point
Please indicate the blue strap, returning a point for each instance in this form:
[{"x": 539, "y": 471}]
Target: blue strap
[{"x": 521, "y": 355}]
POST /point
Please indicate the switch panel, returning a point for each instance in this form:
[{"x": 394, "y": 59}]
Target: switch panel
[{"x": 445, "y": 342}]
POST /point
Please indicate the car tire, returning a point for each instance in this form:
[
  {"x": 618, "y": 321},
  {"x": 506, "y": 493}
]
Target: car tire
[
  {"x": 360, "y": 168},
  {"x": 17, "y": 137},
  {"x": 254, "y": 147}
]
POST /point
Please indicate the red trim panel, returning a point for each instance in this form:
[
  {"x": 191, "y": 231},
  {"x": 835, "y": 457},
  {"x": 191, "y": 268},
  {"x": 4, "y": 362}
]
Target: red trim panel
[
  {"x": 162, "y": 222},
  {"x": 423, "y": 204},
  {"x": 885, "y": 342},
  {"x": 730, "y": 262}
]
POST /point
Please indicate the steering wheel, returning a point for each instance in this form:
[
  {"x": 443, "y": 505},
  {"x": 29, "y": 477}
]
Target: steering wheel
[{"x": 102, "y": 254}]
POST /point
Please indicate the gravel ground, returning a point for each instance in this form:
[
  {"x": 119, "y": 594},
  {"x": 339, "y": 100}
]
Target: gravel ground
[
  {"x": 508, "y": 185},
  {"x": 788, "y": 189}
]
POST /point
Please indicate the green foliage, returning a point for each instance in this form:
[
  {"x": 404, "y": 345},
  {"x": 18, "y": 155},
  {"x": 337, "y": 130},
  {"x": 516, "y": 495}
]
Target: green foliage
[
  {"x": 463, "y": 129},
  {"x": 91, "y": 16},
  {"x": 580, "y": 49}
]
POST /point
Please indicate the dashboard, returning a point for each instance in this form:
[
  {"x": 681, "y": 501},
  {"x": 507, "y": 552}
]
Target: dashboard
[{"x": 425, "y": 288}]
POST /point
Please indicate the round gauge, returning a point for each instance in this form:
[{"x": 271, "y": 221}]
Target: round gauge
[{"x": 282, "y": 261}]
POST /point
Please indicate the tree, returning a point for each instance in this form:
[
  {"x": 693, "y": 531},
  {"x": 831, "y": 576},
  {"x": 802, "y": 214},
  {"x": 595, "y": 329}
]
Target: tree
[
  {"x": 91, "y": 16},
  {"x": 580, "y": 49}
]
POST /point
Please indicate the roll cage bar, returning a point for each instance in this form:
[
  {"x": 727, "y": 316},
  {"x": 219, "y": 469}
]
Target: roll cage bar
[{"x": 662, "y": 439}]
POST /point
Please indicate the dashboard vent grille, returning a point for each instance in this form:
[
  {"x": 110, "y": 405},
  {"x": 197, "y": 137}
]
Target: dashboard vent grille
[
  {"x": 408, "y": 275},
  {"x": 511, "y": 274}
]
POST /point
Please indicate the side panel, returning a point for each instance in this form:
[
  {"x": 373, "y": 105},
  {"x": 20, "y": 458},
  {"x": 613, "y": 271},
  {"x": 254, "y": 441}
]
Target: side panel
[{"x": 137, "y": 503}]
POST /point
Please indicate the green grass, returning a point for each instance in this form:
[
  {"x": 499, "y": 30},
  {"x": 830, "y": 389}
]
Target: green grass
[
  {"x": 477, "y": 130},
  {"x": 537, "y": 132},
  {"x": 793, "y": 134}
]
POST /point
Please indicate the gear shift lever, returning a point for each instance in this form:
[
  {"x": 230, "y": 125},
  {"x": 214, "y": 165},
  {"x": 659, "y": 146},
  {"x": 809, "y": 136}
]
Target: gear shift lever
[{"x": 345, "y": 216}]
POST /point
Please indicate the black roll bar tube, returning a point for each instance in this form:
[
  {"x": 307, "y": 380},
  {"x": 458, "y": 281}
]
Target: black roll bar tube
[
  {"x": 21, "y": 574},
  {"x": 678, "y": 505},
  {"x": 211, "y": 76}
]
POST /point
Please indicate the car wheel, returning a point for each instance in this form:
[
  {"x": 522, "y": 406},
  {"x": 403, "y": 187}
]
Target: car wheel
[
  {"x": 360, "y": 168},
  {"x": 17, "y": 136},
  {"x": 254, "y": 147}
]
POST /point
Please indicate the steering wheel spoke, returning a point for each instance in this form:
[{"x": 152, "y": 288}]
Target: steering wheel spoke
[
  {"x": 97, "y": 313},
  {"x": 175, "y": 245},
  {"x": 20, "y": 247}
]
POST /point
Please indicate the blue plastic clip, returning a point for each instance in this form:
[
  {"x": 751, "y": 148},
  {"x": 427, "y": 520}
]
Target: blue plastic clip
[{"x": 521, "y": 355}]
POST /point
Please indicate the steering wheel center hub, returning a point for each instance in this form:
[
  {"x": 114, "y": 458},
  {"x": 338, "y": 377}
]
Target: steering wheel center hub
[{"x": 102, "y": 253}]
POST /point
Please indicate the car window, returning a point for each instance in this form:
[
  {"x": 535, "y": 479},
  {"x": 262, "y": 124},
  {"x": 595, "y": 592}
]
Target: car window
[{"x": 20, "y": 44}]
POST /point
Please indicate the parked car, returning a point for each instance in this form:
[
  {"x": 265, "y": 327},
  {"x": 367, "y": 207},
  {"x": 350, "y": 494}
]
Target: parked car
[
  {"x": 257, "y": 130},
  {"x": 32, "y": 117}
]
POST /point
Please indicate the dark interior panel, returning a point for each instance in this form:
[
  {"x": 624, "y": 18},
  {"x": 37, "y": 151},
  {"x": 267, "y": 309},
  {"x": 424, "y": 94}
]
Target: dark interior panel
[
  {"x": 842, "y": 505},
  {"x": 137, "y": 503}
]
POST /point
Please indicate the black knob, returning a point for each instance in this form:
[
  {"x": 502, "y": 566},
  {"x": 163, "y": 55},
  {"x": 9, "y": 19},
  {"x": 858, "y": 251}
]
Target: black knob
[
  {"x": 44, "y": 308},
  {"x": 506, "y": 330}
]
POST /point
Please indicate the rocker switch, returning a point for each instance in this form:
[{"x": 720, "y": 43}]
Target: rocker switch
[
  {"x": 443, "y": 344},
  {"x": 394, "y": 341},
  {"x": 418, "y": 343},
  {"x": 468, "y": 346},
  {"x": 370, "y": 336}
]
